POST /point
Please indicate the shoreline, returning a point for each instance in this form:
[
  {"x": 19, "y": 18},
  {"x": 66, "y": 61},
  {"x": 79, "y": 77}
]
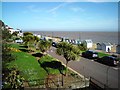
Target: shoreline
[
  {"x": 94, "y": 46},
  {"x": 96, "y": 37}
]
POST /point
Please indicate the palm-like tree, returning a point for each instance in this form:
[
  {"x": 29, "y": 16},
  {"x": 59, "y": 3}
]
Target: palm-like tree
[
  {"x": 68, "y": 51},
  {"x": 82, "y": 47},
  {"x": 44, "y": 45},
  {"x": 36, "y": 40},
  {"x": 28, "y": 39}
]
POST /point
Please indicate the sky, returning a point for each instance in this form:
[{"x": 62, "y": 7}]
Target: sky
[{"x": 61, "y": 16}]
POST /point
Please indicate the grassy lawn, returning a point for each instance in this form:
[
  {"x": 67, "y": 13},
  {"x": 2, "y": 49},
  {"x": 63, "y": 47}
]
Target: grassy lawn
[
  {"x": 102, "y": 54},
  {"x": 29, "y": 67},
  {"x": 51, "y": 64}
]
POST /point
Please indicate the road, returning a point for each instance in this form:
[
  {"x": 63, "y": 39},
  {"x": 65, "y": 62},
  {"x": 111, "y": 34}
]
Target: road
[{"x": 101, "y": 74}]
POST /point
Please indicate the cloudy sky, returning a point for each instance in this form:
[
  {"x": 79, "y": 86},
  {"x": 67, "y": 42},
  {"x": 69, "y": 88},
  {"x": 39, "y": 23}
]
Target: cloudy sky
[{"x": 68, "y": 16}]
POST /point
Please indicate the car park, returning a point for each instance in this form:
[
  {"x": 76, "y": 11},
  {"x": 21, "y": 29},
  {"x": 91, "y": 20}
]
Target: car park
[
  {"x": 90, "y": 54},
  {"x": 108, "y": 60}
]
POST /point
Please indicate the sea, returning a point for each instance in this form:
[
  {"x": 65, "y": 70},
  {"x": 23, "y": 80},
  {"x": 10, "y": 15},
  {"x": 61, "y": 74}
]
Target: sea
[{"x": 111, "y": 37}]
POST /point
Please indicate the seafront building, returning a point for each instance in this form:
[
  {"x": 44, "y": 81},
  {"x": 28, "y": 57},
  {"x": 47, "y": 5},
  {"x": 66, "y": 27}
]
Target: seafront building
[
  {"x": 105, "y": 46},
  {"x": 88, "y": 43},
  {"x": 12, "y": 30}
]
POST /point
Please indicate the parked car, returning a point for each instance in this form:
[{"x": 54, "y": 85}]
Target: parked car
[
  {"x": 108, "y": 60},
  {"x": 90, "y": 54},
  {"x": 54, "y": 44}
]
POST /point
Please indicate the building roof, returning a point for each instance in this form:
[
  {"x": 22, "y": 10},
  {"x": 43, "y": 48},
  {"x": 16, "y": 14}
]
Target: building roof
[
  {"x": 118, "y": 45},
  {"x": 88, "y": 41},
  {"x": 98, "y": 43},
  {"x": 106, "y": 44}
]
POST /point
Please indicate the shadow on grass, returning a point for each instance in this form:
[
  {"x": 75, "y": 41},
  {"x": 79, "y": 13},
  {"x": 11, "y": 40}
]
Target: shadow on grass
[
  {"x": 24, "y": 50},
  {"x": 37, "y": 55},
  {"x": 53, "y": 64},
  {"x": 23, "y": 46}
]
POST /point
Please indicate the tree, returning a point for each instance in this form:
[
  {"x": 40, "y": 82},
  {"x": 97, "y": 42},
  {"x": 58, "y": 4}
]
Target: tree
[
  {"x": 6, "y": 52},
  {"x": 44, "y": 45},
  {"x": 15, "y": 33},
  {"x": 6, "y": 36},
  {"x": 27, "y": 33},
  {"x": 82, "y": 46},
  {"x": 10, "y": 79},
  {"x": 36, "y": 39},
  {"x": 2, "y": 24},
  {"x": 28, "y": 39},
  {"x": 68, "y": 51},
  {"x": 14, "y": 80}
]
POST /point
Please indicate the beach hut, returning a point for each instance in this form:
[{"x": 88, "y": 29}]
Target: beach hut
[
  {"x": 88, "y": 43},
  {"x": 118, "y": 49},
  {"x": 99, "y": 46},
  {"x": 77, "y": 42},
  {"x": 43, "y": 38},
  {"x": 39, "y": 36},
  {"x": 67, "y": 40},
  {"x": 62, "y": 39},
  {"x": 106, "y": 47},
  {"x": 70, "y": 41},
  {"x": 73, "y": 41}
]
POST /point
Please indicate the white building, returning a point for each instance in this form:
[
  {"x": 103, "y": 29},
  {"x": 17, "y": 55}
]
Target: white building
[
  {"x": 14, "y": 30},
  {"x": 88, "y": 43},
  {"x": 39, "y": 36},
  {"x": 106, "y": 47}
]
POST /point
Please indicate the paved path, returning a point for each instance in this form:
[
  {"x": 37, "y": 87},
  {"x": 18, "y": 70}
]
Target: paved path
[{"x": 102, "y": 74}]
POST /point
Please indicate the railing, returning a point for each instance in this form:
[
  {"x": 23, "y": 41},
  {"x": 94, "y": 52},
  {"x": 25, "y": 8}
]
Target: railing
[{"x": 50, "y": 83}]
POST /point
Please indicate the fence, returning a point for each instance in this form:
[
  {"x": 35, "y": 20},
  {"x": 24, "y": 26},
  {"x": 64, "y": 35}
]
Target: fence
[{"x": 57, "y": 83}]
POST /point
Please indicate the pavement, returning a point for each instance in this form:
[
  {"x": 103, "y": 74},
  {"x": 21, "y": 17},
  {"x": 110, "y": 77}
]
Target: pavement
[{"x": 104, "y": 76}]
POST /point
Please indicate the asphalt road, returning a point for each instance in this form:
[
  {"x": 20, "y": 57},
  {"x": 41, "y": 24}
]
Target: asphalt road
[{"x": 101, "y": 74}]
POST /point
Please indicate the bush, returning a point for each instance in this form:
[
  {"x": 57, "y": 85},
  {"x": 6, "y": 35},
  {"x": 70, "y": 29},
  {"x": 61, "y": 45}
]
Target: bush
[{"x": 82, "y": 47}]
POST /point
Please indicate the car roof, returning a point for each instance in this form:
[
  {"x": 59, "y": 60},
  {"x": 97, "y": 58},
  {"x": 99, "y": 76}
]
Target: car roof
[{"x": 110, "y": 57}]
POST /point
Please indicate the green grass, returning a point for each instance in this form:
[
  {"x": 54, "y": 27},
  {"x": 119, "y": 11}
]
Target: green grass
[
  {"x": 48, "y": 58},
  {"x": 29, "y": 67},
  {"x": 15, "y": 46},
  {"x": 102, "y": 54}
]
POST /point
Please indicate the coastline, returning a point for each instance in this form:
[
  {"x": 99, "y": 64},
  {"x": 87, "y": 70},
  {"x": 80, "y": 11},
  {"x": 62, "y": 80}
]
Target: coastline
[{"x": 111, "y": 37}]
